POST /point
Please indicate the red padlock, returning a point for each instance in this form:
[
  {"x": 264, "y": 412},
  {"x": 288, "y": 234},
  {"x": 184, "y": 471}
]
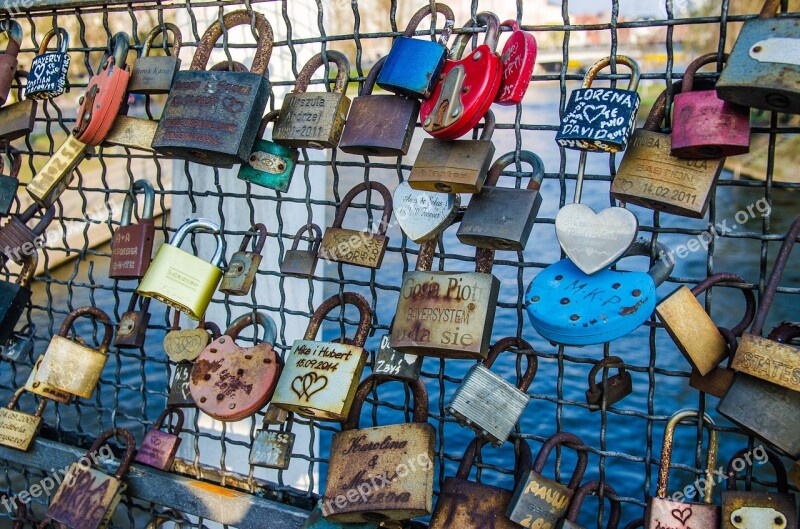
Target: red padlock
[
  {"x": 105, "y": 94},
  {"x": 132, "y": 244},
  {"x": 519, "y": 56},
  {"x": 467, "y": 86}
]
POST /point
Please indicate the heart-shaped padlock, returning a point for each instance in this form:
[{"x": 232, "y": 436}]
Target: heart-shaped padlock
[
  {"x": 570, "y": 307},
  {"x": 182, "y": 345},
  {"x": 423, "y": 215}
]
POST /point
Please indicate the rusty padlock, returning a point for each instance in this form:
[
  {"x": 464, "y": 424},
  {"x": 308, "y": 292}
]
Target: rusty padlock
[
  {"x": 132, "y": 326},
  {"x": 10, "y": 182},
  {"x": 19, "y": 429},
  {"x": 486, "y": 402},
  {"x": 662, "y": 511},
  {"x": 705, "y": 126},
  {"x": 359, "y": 455},
  {"x": 43, "y": 388},
  {"x": 471, "y": 505},
  {"x": 132, "y": 244},
  {"x": 611, "y": 389},
  {"x": 357, "y": 247},
  {"x": 230, "y": 382},
  {"x": 539, "y": 501},
  {"x": 183, "y": 345},
  {"x": 302, "y": 263},
  {"x": 571, "y": 522},
  {"x": 320, "y": 378},
  {"x": 243, "y": 266},
  {"x": 17, "y": 240},
  {"x": 720, "y": 378},
  {"x": 8, "y": 59},
  {"x": 158, "y": 448},
  {"x": 57, "y": 172},
  {"x": 19, "y": 118},
  {"x": 273, "y": 448},
  {"x": 270, "y": 165},
  {"x": 155, "y": 75}
]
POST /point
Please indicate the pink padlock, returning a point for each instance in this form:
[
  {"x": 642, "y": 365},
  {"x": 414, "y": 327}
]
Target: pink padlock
[
  {"x": 158, "y": 448},
  {"x": 705, "y": 126},
  {"x": 519, "y": 56}
]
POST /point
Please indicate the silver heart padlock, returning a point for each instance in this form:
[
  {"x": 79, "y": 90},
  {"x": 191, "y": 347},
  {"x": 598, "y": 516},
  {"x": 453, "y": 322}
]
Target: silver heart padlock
[{"x": 423, "y": 215}]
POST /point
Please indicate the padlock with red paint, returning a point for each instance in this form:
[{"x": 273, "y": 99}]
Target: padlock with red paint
[
  {"x": 519, "y": 56},
  {"x": 158, "y": 448}
]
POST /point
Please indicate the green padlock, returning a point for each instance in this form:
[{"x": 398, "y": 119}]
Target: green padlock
[{"x": 270, "y": 165}]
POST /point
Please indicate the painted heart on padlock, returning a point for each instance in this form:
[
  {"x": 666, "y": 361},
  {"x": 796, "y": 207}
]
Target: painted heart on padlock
[
  {"x": 422, "y": 215},
  {"x": 594, "y": 241},
  {"x": 185, "y": 345}
]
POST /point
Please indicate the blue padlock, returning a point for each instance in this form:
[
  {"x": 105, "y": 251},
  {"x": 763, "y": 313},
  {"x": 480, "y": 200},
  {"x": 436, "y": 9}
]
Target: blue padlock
[
  {"x": 570, "y": 307},
  {"x": 413, "y": 66}
]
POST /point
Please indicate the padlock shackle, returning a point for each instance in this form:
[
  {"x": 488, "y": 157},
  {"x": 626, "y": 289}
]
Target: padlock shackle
[
  {"x": 246, "y": 320},
  {"x": 229, "y": 66},
  {"x": 418, "y": 390},
  {"x": 691, "y": 70},
  {"x": 503, "y": 345},
  {"x": 749, "y": 297},
  {"x": 780, "y": 471},
  {"x": 607, "y": 362},
  {"x": 130, "y": 447},
  {"x": 732, "y": 341},
  {"x": 662, "y": 268},
  {"x": 14, "y": 31},
  {"x": 148, "y": 211},
  {"x": 372, "y": 76},
  {"x": 489, "y": 123},
  {"x": 484, "y": 18},
  {"x": 315, "y": 230},
  {"x": 770, "y": 9},
  {"x": 163, "y": 28},
  {"x": 16, "y": 161},
  {"x": 449, "y": 21},
  {"x": 18, "y": 76},
  {"x": 572, "y": 441},
  {"x": 269, "y": 117},
  {"x": 606, "y": 61},
  {"x": 509, "y": 158},
  {"x": 345, "y": 298},
  {"x": 211, "y": 327},
  {"x": 594, "y": 487},
  {"x": 262, "y": 238},
  {"x": 341, "y": 211},
  {"x": 425, "y": 255},
  {"x": 97, "y": 314},
  {"x": 28, "y": 272},
  {"x": 39, "y": 409},
  {"x": 202, "y": 226},
  {"x": 342, "y": 74},
  {"x": 63, "y": 37},
  {"x": 171, "y": 410},
  {"x": 666, "y": 452},
  {"x": 522, "y": 458},
  {"x": 132, "y": 303},
  {"x": 118, "y": 46},
  {"x": 240, "y": 17},
  {"x": 785, "y": 332}
]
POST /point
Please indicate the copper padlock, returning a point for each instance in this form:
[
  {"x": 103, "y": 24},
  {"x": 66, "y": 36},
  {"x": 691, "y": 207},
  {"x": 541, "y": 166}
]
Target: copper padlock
[
  {"x": 611, "y": 389},
  {"x": 132, "y": 327},
  {"x": 19, "y": 429},
  {"x": 243, "y": 266},
  {"x": 132, "y": 244},
  {"x": 584, "y": 490},
  {"x": 183, "y": 345},
  {"x": 158, "y": 448},
  {"x": 302, "y": 263}
]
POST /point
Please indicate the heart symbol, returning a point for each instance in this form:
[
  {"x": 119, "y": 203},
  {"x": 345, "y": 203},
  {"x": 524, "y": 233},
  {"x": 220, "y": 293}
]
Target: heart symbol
[
  {"x": 594, "y": 241},
  {"x": 185, "y": 345},
  {"x": 309, "y": 384},
  {"x": 599, "y": 110},
  {"x": 422, "y": 215},
  {"x": 625, "y": 184},
  {"x": 682, "y": 514}
]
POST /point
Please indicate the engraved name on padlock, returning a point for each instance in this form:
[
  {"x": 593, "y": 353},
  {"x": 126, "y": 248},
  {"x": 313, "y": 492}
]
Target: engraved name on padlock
[
  {"x": 57, "y": 172},
  {"x": 155, "y": 75},
  {"x": 394, "y": 364},
  {"x": 158, "y": 448},
  {"x": 19, "y": 429},
  {"x": 518, "y": 57},
  {"x": 270, "y": 165},
  {"x": 48, "y": 75},
  {"x": 423, "y": 215}
]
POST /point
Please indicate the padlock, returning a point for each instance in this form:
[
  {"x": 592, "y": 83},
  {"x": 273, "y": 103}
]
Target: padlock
[
  {"x": 468, "y": 504},
  {"x": 315, "y": 120},
  {"x": 662, "y": 511},
  {"x": 705, "y": 126},
  {"x": 358, "y": 455},
  {"x": 388, "y": 136},
  {"x": 212, "y": 117},
  {"x": 273, "y": 448},
  {"x": 571, "y": 521},
  {"x": 132, "y": 133},
  {"x": 501, "y": 218},
  {"x": 186, "y": 344},
  {"x": 601, "y": 119},
  {"x": 182, "y": 280},
  {"x": 19, "y": 429},
  {"x": 132, "y": 327},
  {"x": 394, "y": 364},
  {"x": 105, "y": 93},
  {"x": 454, "y": 166},
  {"x": 230, "y": 382},
  {"x": 610, "y": 389},
  {"x": 423, "y": 215},
  {"x": 302, "y": 263},
  {"x": 57, "y": 172},
  {"x": 43, "y": 388},
  {"x": 49, "y": 69},
  {"x": 17, "y": 240},
  {"x": 270, "y": 165},
  {"x": 539, "y": 501},
  {"x": 467, "y": 85},
  {"x": 19, "y": 346},
  {"x": 179, "y": 394},
  {"x": 357, "y": 247},
  {"x": 275, "y": 415},
  {"x": 763, "y": 70},
  {"x": 486, "y": 402},
  {"x": 9, "y": 183},
  {"x": 132, "y": 244},
  {"x": 717, "y": 382},
  {"x": 71, "y": 366},
  {"x": 14, "y": 297},
  {"x": 518, "y": 58},
  {"x": 316, "y": 520},
  {"x": 693, "y": 330},
  {"x": 320, "y": 378},
  {"x": 243, "y": 266},
  {"x": 568, "y": 307},
  {"x": 158, "y": 448},
  {"x": 8, "y": 59},
  {"x": 650, "y": 176},
  {"x": 413, "y": 66},
  {"x": 82, "y": 481},
  {"x": 18, "y": 119},
  {"x": 755, "y": 510},
  {"x": 154, "y": 75}
]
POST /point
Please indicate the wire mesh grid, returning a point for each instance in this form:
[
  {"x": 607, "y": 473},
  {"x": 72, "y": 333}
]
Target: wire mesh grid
[{"x": 101, "y": 184}]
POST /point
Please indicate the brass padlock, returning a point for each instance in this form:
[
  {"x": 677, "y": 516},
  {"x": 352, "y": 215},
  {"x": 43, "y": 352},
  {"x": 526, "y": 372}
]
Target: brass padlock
[
  {"x": 273, "y": 448},
  {"x": 315, "y": 120},
  {"x": 18, "y": 429},
  {"x": 243, "y": 267},
  {"x": 358, "y": 247},
  {"x": 719, "y": 380},
  {"x": 611, "y": 389},
  {"x": 542, "y": 502},
  {"x": 662, "y": 511},
  {"x": 486, "y": 402},
  {"x": 571, "y": 522},
  {"x": 57, "y": 172},
  {"x": 458, "y": 166},
  {"x": 357, "y": 455},
  {"x": 43, "y": 388},
  {"x": 73, "y": 367},
  {"x": 131, "y": 132},
  {"x": 320, "y": 378},
  {"x": 183, "y": 345},
  {"x": 470, "y": 505},
  {"x": 158, "y": 449},
  {"x": 154, "y": 75},
  {"x": 302, "y": 263},
  {"x": 68, "y": 506}
]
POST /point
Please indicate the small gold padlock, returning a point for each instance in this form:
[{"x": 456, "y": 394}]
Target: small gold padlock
[
  {"x": 18, "y": 429},
  {"x": 54, "y": 177}
]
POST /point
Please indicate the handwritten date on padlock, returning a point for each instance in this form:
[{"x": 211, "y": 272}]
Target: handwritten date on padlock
[{"x": 603, "y": 117}]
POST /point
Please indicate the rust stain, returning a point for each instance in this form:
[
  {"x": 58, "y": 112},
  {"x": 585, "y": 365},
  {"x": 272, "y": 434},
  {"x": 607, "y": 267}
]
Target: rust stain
[
  {"x": 204, "y": 367},
  {"x": 627, "y": 311}
]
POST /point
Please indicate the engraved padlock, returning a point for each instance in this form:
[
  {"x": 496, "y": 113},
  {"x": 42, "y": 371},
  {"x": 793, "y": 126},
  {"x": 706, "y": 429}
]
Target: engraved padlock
[
  {"x": 15, "y": 296},
  {"x": 571, "y": 521},
  {"x": 19, "y": 346},
  {"x": 132, "y": 326},
  {"x": 155, "y": 75},
  {"x": 43, "y": 388},
  {"x": 270, "y": 165},
  {"x": 183, "y": 345},
  {"x": 611, "y": 389},
  {"x": 132, "y": 244},
  {"x": 302, "y": 263},
  {"x": 49, "y": 69},
  {"x": 273, "y": 448},
  {"x": 179, "y": 394},
  {"x": 10, "y": 182},
  {"x": 18, "y": 429},
  {"x": 57, "y": 172},
  {"x": 243, "y": 266},
  {"x": 394, "y": 364},
  {"x": 518, "y": 58},
  {"x": 17, "y": 240},
  {"x": 423, "y": 215},
  {"x": 158, "y": 448}
]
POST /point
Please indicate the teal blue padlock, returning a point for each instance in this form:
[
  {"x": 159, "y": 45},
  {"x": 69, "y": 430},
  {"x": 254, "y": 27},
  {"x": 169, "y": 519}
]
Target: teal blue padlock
[
  {"x": 316, "y": 520},
  {"x": 569, "y": 307},
  {"x": 270, "y": 165}
]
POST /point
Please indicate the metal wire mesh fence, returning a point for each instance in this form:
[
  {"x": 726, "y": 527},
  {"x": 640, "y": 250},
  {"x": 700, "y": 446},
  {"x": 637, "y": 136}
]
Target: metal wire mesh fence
[{"x": 623, "y": 441}]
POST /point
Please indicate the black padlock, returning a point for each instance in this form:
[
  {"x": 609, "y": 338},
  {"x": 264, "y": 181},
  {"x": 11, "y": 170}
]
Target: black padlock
[
  {"x": 616, "y": 387},
  {"x": 9, "y": 183},
  {"x": 132, "y": 326},
  {"x": 19, "y": 345},
  {"x": 14, "y": 297}
]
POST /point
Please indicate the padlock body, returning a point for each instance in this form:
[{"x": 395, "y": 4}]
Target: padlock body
[
  {"x": 134, "y": 133},
  {"x": 705, "y": 126},
  {"x": 8, "y": 190},
  {"x": 132, "y": 250},
  {"x": 18, "y": 429},
  {"x": 17, "y": 119},
  {"x": 153, "y": 75},
  {"x": 692, "y": 330},
  {"x": 13, "y": 301},
  {"x": 539, "y": 502},
  {"x": 470, "y": 505},
  {"x": 316, "y": 520},
  {"x": 17, "y": 348},
  {"x": 451, "y": 166},
  {"x": 716, "y": 383},
  {"x": 387, "y": 135},
  {"x": 311, "y": 120},
  {"x": 662, "y": 512},
  {"x": 68, "y": 505},
  {"x": 412, "y": 67},
  {"x": 445, "y": 314},
  {"x": 359, "y": 248},
  {"x": 101, "y": 104},
  {"x": 772, "y": 361},
  {"x": 158, "y": 449},
  {"x": 8, "y": 68},
  {"x": 619, "y": 387},
  {"x": 132, "y": 329},
  {"x": 746, "y": 510},
  {"x": 48, "y": 75},
  {"x": 270, "y": 165},
  {"x": 180, "y": 396},
  {"x": 394, "y": 364},
  {"x": 762, "y": 70},
  {"x": 42, "y": 388},
  {"x": 598, "y": 119},
  {"x": 272, "y": 449},
  {"x": 518, "y": 57},
  {"x": 357, "y": 456},
  {"x": 320, "y": 379},
  {"x": 212, "y": 117},
  {"x": 488, "y": 404},
  {"x": 500, "y": 218},
  {"x": 181, "y": 280},
  {"x": 71, "y": 367},
  {"x": 17, "y": 240},
  {"x": 241, "y": 272},
  {"x": 185, "y": 344},
  {"x": 299, "y": 263},
  {"x": 56, "y": 174}
]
